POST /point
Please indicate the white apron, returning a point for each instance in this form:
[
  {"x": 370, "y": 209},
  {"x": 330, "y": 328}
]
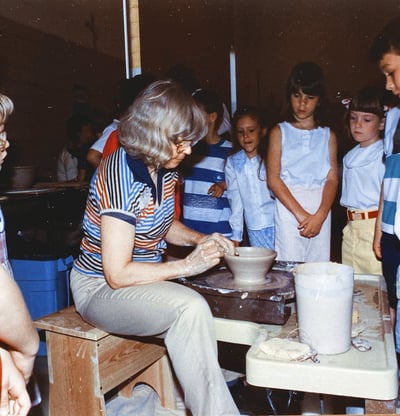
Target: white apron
[{"x": 289, "y": 244}]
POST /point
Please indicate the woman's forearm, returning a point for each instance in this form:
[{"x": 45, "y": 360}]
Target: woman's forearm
[{"x": 181, "y": 235}]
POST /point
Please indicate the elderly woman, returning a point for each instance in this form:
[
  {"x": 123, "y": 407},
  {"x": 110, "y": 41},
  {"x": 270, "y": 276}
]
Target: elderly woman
[{"x": 119, "y": 281}]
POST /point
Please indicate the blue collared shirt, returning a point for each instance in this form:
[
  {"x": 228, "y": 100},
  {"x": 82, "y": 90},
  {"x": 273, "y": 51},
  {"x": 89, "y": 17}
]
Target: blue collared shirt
[{"x": 249, "y": 197}]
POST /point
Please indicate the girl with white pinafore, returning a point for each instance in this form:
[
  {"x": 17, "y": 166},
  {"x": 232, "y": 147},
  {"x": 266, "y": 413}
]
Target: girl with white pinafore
[{"x": 302, "y": 170}]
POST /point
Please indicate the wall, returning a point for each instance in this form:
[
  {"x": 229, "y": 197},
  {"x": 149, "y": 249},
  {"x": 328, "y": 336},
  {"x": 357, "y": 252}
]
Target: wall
[
  {"x": 39, "y": 71},
  {"x": 194, "y": 33},
  {"x": 269, "y": 37}
]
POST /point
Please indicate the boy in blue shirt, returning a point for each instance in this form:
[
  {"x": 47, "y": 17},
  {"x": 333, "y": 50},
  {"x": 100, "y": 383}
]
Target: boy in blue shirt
[
  {"x": 205, "y": 203},
  {"x": 385, "y": 51}
]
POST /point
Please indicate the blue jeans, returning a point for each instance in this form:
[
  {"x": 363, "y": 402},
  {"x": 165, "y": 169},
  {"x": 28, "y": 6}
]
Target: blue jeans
[
  {"x": 174, "y": 312},
  {"x": 262, "y": 238}
]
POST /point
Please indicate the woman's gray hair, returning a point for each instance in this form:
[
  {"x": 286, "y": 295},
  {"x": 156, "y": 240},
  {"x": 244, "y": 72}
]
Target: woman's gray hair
[
  {"x": 6, "y": 107},
  {"x": 162, "y": 114}
]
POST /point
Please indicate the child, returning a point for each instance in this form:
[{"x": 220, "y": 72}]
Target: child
[
  {"x": 6, "y": 109},
  {"x": 385, "y": 51},
  {"x": 18, "y": 337},
  {"x": 205, "y": 204},
  {"x": 363, "y": 170},
  {"x": 302, "y": 170},
  {"x": 246, "y": 181},
  {"x": 71, "y": 163}
]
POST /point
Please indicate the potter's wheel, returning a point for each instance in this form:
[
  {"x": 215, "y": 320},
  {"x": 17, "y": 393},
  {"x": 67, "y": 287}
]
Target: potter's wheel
[
  {"x": 279, "y": 281},
  {"x": 263, "y": 303}
]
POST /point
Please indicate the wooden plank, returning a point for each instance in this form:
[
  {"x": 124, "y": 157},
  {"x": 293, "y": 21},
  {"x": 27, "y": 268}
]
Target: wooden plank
[
  {"x": 74, "y": 385},
  {"x": 159, "y": 377},
  {"x": 119, "y": 359},
  {"x": 69, "y": 322}
]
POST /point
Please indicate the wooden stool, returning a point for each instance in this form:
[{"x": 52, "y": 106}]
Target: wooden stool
[{"x": 85, "y": 363}]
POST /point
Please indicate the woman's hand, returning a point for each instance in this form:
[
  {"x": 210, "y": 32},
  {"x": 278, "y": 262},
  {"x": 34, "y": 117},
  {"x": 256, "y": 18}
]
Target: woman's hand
[
  {"x": 224, "y": 244},
  {"x": 207, "y": 253},
  {"x": 14, "y": 399}
]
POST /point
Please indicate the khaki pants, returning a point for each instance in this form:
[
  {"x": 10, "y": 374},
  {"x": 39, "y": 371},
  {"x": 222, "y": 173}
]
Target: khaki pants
[{"x": 357, "y": 251}]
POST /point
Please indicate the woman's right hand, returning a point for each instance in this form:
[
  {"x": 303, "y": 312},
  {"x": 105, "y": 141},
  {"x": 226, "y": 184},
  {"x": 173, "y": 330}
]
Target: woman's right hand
[{"x": 205, "y": 256}]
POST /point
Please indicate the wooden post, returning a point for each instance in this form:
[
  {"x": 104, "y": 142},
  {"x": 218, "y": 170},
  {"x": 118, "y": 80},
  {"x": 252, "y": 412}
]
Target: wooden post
[{"x": 134, "y": 38}]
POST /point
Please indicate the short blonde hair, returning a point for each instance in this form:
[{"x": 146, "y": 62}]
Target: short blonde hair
[
  {"x": 6, "y": 108},
  {"x": 162, "y": 114}
]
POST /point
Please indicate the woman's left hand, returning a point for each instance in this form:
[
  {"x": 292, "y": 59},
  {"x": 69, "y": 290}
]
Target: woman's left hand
[
  {"x": 207, "y": 253},
  {"x": 224, "y": 245}
]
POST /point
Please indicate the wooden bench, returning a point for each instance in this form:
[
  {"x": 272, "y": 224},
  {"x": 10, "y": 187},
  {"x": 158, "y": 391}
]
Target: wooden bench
[{"x": 85, "y": 363}]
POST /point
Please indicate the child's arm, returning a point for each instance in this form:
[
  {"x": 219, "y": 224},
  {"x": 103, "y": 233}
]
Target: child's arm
[
  {"x": 376, "y": 244},
  {"x": 14, "y": 396},
  {"x": 17, "y": 332},
  {"x": 311, "y": 226},
  {"x": 275, "y": 183},
  {"x": 235, "y": 203}
]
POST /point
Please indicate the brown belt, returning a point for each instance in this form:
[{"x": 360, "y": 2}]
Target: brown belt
[{"x": 365, "y": 215}]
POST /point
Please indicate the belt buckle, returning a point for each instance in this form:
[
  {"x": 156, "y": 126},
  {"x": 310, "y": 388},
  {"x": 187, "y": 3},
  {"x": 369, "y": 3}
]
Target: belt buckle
[{"x": 357, "y": 215}]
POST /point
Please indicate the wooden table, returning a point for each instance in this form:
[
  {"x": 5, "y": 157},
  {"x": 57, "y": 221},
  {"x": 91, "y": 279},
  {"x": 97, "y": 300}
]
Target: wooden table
[{"x": 370, "y": 375}]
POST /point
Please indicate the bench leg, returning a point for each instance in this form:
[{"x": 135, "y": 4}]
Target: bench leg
[
  {"x": 74, "y": 385},
  {"x": 159, "y": 377}
]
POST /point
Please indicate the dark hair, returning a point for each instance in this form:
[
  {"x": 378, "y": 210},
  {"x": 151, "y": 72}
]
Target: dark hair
[
  {"x": 184, "y": 76},
  {"x": 74, "y": 126},
  {"x": 211, "y": 103},
  {"x": 254, "y": 113},
  {"x": 307, "y": 77},
  {"x": 367, "y": 100},
  {"x": 130, "y": 88},
  {"x": 387, "y": 40}
]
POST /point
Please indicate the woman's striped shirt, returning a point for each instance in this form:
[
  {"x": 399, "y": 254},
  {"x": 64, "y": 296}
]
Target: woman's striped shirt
[{"x": 122, "y": 188}]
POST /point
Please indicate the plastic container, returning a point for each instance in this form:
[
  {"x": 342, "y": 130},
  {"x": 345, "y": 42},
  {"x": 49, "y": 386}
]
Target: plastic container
[
  {"x": 324, "y": 300},
  {"x": 44, "y": 285},
  {"x": 22, "y": 177}
]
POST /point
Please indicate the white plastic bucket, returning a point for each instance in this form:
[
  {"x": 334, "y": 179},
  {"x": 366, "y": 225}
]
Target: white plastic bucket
[{"x": 324, "y": 300}]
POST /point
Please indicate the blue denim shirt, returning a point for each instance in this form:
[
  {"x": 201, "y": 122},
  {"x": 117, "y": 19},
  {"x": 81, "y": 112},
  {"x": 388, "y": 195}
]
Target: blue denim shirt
[{"x": 249, "y": 197}]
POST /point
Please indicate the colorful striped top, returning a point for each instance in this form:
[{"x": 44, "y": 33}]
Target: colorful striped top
[{"x": 122, "y": 187}]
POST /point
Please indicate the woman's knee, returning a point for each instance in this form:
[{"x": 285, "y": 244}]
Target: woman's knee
[{"x": 197, "y": 305}]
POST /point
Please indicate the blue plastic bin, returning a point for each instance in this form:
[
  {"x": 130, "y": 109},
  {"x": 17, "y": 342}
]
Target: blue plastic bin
[{"x": 44, "y": 285}]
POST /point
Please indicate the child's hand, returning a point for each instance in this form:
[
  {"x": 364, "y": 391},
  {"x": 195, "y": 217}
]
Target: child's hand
[
  {"x": 14, "y": 396},
  {"x": 24, "y": 363},
  {"x": 217, "y": 189},
  {"x": 311, "y": 226},
  {"x": 376, "y": 245}
]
